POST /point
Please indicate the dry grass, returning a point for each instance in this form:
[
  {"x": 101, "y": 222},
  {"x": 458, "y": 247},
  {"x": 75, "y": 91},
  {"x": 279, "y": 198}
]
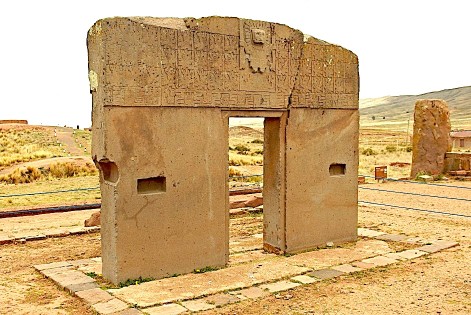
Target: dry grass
[
  {"x": 30, "y": 174},
  {"x": 26, "y": 143},
  {"x": 52, "y": 184}
]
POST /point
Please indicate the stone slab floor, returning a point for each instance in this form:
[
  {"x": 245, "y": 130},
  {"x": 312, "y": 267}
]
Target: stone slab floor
[{"x": 250, "y": 274}]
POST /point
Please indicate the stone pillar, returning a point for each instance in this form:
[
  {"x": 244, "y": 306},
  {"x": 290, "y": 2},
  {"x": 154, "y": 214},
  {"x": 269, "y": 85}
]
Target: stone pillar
[{"x": 431, "y": 138}]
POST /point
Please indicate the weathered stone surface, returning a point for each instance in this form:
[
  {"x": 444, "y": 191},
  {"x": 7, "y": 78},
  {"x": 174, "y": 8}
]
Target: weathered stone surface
[
  {"x": 304, "y": 279},
  {"x": 109, "y": 307},
  {"x": 363, "y": 265},
  {"x": 167, "y": 309},
  {"x": 279, "y": 286},
  {"x": 198, "y": 305},
  {"x": 411, "y": 253},
  {"x": 77, "y": 287},
  {"x": 192, "y": 286},
  {"x": 369, "y": 233},
  {"x": 380, "y": 261},
  {"x": 437, "y": 246},
  {"x": 94, "y": 219},
  {"x": 254, "y": 201},
  {"x": 325, "y": 273},
  {"x": 162, "y": 92},
  {"x": 346, "y": 268},
  {"x": 336, "y": 256},
  {"x": 391, "y": 237},
  {"x": 93, "y": 296},
  {"x": 431, "y": 139},
  {"x": 252, "y": 292},
  {"x": 221, "y": 299},
  {"x": 59, "y": 264}
]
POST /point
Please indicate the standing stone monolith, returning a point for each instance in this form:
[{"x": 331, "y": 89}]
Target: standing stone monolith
[{"x": 431, "y": 139}]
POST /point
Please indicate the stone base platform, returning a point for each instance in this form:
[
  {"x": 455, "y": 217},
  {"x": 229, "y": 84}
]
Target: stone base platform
[{"x": 250, "y": 275}]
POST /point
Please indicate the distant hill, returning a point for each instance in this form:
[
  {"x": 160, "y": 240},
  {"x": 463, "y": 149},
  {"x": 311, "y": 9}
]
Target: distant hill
[{"x": 396, "y": 110}]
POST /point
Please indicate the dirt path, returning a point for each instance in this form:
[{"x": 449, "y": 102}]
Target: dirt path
[{"x": 65, "y": 136}]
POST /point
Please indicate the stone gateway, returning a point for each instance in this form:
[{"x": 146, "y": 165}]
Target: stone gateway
[{"x": 163, "y": 91}]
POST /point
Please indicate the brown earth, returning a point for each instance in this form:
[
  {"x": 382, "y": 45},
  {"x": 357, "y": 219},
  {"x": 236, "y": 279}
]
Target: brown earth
[{"x": 435, "y": 284}]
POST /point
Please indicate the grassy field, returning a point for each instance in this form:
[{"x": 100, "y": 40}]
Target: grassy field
[
  {"x": 20, "y": 143},
  {"x": 377, "y": 147}
]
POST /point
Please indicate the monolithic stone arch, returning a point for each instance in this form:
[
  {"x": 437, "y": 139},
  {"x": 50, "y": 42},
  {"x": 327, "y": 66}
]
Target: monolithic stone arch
[{"x": 163, "y": 90}]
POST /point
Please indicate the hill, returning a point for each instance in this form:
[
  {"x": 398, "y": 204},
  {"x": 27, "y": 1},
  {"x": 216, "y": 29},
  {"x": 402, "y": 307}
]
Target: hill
[{"x": 396, "y": 110}]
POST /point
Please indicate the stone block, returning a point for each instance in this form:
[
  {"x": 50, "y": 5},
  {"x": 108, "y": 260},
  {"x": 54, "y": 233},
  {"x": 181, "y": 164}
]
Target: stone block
[
  {"x": 253, "y": 292},
  {"x": 431, "y": 138},
  {"x": 325, "y": 273},
  {"x": 279, "y": 286},
  {"x": 198, "y": 305},
  {"x": 304, "y": 279},
  {"x": 109, "y": 307},
  {"x": 411, "y": 253},
  {"x": 59, "y": 264},
  {"x": 221, "y": 299},
  {"x": 369, "y": 233},
  {"x": 73, "y": 288},
  {"x": 95, "y": 295},
  {"x": 167, "y": 309},
  {"x": 362, "y": 265},
  {"x": 167, "y": 107},
  {"x": 391, "y": 237},
  {"x": 437, "y": 246},
  {"x": 346, "y": 268},
  {"x": 379, "y": 261}
]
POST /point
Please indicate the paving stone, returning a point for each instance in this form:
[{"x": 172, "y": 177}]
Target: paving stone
[
  {"x": 97, "y": 259},
  {"x": 198, "y": 305},
  {"x": 5, "y": 239},
  {"x": 326, "y": 258},
  {"x": 81, "y": 262},
  {"x": 411, "y": 253},
  {"x": 395, "y": 256},
  {"x": 110, "y": 306},
  {"x": 415, "y": 240},
  {"x": 128, "y": 311},
  {"x": 73, "y": 288},
  {"x": 369, "y": 233},
  {"x": 36, "y": 237},
  {"x": 92, "y": 229},
  {"x": 237, "y": 211},
  {"x": 362, "y": 265},
  {"x": 67, "y": 277},
  {"x": 304, "y": 279},
  {"x": 77, "y": 231},
  {"x": 380, "y": 261},
  {"x": 221, "y": 299},
  {"x": 346, "y": 268},
  {"x": 191, "y": 286},
  {"x": 56, "y": 233},
  {"x": 392, "y": 237},
  {"x": 95, "y": 267},
  {"x": 253, "y": 292},
  {"x": 325, "y": 273},
  {"x": 437, "y": 246},
  {"x": 167, "y": 309},
  {"x": 279, "y": 286},
  {"x": 93, "y": 296},
  {"x": 59, "y": 264}
]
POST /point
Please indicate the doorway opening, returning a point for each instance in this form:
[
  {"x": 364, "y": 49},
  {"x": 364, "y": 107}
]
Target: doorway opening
[{"x": 255, "y": 185}]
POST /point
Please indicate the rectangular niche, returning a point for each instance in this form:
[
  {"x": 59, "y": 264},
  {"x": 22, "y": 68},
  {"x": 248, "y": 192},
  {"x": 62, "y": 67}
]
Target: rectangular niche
[
  {"x": 152, "y": 185},
  {"x": 337, "y": 169}
]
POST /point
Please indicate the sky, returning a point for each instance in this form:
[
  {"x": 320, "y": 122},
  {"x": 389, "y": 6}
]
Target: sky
[{"x": 404, "y": 46}]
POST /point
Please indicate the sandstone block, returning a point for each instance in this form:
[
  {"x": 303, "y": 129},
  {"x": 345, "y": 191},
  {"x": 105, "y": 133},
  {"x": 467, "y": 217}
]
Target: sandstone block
[
  {"x": 94, "y": 220},
  {"x": 431, "y": 138}
]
